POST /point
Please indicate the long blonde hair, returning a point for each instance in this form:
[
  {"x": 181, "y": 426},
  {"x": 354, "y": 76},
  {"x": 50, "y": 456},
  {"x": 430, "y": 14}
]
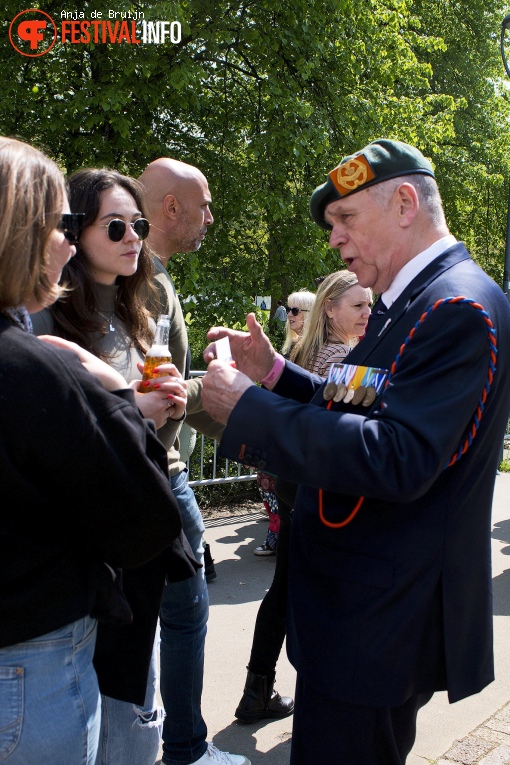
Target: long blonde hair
[
  {"x": 32, "y": 194},
  {"x": 318, "y": 328},
  {"x": 302, "y": 299}
]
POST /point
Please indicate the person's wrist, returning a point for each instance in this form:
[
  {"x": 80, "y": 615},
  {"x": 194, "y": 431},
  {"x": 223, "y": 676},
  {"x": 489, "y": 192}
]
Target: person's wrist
[
  {"x": 275, "y": 371},
  {"x": 178, "y": 419}
]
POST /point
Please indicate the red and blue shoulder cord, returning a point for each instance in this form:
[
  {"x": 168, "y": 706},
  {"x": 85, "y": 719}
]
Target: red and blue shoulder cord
[{"x": 491, "y": 334}]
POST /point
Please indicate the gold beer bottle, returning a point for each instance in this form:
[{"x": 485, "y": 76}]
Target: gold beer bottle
[{"x": 158, "y": 353}]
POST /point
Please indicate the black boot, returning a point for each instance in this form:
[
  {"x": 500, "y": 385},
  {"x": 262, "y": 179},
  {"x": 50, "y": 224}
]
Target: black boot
[
  {"x": 209, "y": 570},
  {"x": 260, "y": 700}
]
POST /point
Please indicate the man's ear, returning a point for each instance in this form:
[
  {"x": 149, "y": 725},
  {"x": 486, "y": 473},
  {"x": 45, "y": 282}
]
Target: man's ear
[
  {"x": 408, "y": 204},
  {"x": 170, "y": 206}
]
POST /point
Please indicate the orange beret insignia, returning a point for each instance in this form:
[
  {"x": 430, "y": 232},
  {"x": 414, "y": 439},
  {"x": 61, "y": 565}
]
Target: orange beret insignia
[{"x": 351, "y": 175}]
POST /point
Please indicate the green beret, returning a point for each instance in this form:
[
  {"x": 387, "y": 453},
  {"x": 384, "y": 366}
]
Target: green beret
[{"x": 379, "y": 161}]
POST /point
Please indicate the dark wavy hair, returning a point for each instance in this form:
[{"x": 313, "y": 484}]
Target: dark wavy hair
[{"x": 75, "y": 316}]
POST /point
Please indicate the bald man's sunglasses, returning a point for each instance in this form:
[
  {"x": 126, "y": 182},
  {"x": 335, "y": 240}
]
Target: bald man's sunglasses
[{"x": 116, "y": 228}]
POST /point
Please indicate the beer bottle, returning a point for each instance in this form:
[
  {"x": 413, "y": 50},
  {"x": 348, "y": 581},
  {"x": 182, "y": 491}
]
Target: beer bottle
[{"x": 158, "y": 353}]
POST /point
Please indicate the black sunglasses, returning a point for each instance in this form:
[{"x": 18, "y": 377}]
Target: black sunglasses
[
  {"x": 116, "y": 228},
  {"x": 294, "y": 311},
  {"x": 71, "y": 224}
]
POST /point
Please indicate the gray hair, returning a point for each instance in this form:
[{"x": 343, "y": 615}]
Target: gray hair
[{"x": 426, "y": 188}]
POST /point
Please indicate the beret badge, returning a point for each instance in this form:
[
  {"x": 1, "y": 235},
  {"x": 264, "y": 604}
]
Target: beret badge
[{"x": 352, "y": 174}]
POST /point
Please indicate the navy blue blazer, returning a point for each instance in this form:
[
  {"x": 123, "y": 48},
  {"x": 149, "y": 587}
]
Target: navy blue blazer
[{"x": 398, "y": 601}]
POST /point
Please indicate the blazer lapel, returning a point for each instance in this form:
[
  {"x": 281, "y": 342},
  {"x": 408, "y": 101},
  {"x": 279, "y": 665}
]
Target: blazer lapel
[{"x": 380, "y": 324}]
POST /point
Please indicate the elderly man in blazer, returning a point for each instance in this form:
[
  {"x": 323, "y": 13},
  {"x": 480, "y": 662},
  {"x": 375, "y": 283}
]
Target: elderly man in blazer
[{"x": 395, "y": 456}]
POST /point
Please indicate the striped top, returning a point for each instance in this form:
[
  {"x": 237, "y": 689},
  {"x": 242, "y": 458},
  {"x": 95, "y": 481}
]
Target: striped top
[{"x": 330, "y": 353}]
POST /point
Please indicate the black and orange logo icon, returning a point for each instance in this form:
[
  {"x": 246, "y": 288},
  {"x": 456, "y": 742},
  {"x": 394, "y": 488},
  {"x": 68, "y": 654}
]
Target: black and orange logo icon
[{"x": 32, "y": 33}]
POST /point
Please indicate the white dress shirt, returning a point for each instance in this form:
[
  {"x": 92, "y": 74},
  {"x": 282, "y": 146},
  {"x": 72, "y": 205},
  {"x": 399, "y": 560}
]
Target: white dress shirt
[{"x": 411, "y": 269}]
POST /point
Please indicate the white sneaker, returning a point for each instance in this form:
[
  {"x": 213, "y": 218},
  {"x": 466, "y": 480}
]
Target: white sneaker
[{"x": 213, "y": 755}]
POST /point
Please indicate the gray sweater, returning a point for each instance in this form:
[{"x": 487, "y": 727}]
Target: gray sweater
[{"x": 124, "y": 356}]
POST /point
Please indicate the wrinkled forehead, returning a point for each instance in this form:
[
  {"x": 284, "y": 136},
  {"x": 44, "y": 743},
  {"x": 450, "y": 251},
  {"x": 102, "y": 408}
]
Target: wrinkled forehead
[{"x": 348, "y": 205}]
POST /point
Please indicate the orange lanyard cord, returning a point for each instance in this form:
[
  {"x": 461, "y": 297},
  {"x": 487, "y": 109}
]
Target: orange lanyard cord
[
  {"x": 479, "y": 410},
  {"x": 349, "y": 518}
]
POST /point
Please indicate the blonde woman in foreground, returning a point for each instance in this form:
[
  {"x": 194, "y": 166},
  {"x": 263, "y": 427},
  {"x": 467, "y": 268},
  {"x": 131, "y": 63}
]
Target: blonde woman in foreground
[{"x": 79, "y": 467}]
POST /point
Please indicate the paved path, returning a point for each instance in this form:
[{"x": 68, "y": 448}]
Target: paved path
[{"x": 475, "y": 731}]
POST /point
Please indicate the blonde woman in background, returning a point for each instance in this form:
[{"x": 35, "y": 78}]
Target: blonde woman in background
[
  {"x": 299, "y": 305},
  {"x": 338, "y": 318}
]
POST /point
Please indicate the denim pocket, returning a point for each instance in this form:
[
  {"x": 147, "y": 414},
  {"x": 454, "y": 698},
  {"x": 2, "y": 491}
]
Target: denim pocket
[{"x": 11, "y": 709}]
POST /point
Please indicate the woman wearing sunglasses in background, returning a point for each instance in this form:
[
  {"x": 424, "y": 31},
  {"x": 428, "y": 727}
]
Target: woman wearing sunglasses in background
[
  {"x": 104, "y": 312},
  {"x": 77, "y": 462},
  {"x": 299, "y": 305}
]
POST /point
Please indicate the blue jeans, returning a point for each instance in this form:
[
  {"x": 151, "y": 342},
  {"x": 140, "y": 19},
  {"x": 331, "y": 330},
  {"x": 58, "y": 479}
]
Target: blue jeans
[
  {"x": 50, "y": 708},
  {"x": 130, "y": 733},
  {"x": 183, "y": 622}
]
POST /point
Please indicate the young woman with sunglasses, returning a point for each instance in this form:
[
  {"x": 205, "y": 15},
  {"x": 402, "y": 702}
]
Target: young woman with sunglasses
[
  {"x": 77, "y": 463},
  {"x": 337, "y": 317},
  {"x": 105, "y": 312}
]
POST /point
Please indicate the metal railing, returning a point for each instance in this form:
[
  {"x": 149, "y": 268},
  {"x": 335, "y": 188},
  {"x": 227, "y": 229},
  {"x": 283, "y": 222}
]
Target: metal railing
[
  {"x": 217, "y": 470},
  {"x": 206, "y": 468}
]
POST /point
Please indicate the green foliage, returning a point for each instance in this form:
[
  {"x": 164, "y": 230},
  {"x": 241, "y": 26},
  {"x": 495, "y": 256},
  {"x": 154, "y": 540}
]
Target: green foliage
[
  {"x": 227, "y": 494},
  {"x": 266, "y": 97}
]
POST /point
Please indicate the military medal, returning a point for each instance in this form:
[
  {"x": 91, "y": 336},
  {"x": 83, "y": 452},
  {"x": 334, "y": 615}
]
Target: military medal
[
  {"x": 354, "y": 381},
  {"x": 375, "y": 383},
  {"x": 369, "y": 397},
  {"x": 329, "y": 391},
  {"x": 349, "y": 396},
  {"x": 350, "y": 371},
  {"x": 334, "y": 376},
  {"x": 359, "y": 394},
  {"x": 353, "y": 384},
  {"x": 340, "y": 392}
]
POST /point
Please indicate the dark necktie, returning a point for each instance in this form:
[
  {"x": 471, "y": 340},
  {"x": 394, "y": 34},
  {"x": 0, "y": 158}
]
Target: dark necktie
[
  {"x": 375, "y": 322},
  {"x": 379, "y": 308}
]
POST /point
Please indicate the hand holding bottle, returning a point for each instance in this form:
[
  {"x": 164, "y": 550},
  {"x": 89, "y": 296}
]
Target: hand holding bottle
[
  {"x": 162, "y": 386},
  {"x": 166, "y": 396}
]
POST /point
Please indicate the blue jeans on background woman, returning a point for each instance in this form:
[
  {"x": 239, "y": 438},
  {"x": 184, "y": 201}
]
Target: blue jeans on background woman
[
  {"x": 183, "y": 622},
  {"x": 132, "y": 733}
]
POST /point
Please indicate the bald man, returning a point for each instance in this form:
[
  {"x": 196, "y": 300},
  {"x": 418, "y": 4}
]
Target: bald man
[{"x": 176, "y": 201}]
